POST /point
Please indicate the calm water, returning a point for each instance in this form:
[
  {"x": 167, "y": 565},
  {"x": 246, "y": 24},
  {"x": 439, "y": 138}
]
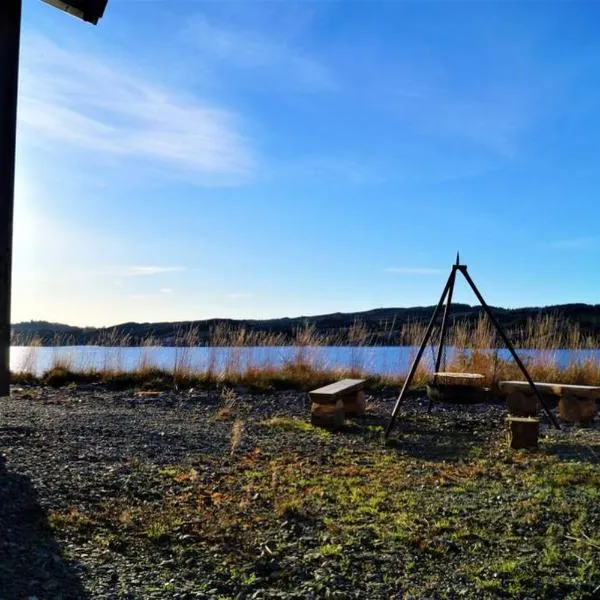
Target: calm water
[{"x": 388, "y": 360}]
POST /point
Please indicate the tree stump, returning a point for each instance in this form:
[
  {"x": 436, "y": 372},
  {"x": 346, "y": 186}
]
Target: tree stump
[
  {"x": 329, "y": 415},
  {"x": 572, "y": 409},
  {"x": 522, "y": 432},
  {"x": 521, "y": 404}
]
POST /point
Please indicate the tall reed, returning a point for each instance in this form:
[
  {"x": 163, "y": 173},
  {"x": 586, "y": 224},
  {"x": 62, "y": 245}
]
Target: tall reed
[
  {"x": 183, "y": 367},
  {"x": 29, "y": 365},
  {"x": 235, "y": 355}
]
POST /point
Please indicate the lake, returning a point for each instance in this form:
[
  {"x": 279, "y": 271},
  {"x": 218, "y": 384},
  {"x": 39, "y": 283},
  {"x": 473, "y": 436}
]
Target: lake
[{"x": 393, "y": 360}]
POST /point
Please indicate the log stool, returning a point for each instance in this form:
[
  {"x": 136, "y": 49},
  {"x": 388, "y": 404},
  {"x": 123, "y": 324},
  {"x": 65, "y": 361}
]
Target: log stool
[
  {"x": 572, "y": 409},
  {"x": 522, "y": 432}
]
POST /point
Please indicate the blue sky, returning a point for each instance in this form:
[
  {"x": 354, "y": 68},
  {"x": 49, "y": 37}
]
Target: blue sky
[{"x": 191, "y": 159}]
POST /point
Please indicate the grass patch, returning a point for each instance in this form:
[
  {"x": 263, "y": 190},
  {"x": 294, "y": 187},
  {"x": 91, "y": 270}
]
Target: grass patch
[
  {"x": 295, "y": 425},
  {"x": 396, "y": 514},
  {"x": 316, "y": 520},
  {"x": 72, "y": 519}
]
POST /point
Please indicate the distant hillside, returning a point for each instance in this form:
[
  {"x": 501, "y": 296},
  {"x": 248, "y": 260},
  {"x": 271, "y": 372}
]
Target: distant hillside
[{"x": 383, "y": 326}]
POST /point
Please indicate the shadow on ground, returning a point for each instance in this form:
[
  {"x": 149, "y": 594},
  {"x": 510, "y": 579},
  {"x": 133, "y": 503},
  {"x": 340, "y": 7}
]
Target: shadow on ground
[
  {"x": 434, "y": 445},
  {"x": 573, "y": 452},
  {"x": 31, "y": 564},
  {"x": 433, "y": 437}
]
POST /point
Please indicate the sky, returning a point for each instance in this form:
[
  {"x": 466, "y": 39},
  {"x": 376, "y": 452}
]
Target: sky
[{"x": 195, "y": 159}]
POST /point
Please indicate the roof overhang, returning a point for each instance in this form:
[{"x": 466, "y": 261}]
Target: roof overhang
[{"x": 88, "y": 10}]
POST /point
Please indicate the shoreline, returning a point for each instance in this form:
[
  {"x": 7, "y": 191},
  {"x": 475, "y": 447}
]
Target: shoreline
[{"x": 299, "y": 375}]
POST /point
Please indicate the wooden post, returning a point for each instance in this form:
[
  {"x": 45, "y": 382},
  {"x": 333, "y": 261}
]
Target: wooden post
[{"x": 10, "y": 35}]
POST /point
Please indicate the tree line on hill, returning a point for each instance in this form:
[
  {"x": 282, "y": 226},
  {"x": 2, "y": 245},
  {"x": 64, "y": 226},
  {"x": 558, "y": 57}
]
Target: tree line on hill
[{"x": 378, "y": 327}]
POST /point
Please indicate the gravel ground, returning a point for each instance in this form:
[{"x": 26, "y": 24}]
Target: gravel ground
[{"x": 68, "y": 451}]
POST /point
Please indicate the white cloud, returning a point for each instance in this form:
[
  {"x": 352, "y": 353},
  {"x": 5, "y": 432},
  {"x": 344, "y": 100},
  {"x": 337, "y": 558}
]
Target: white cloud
[
  {"x": 495, "y": 124},
  {"x": 166, "y": 291},
  {"x": 492, "y": 111},
  {"x": 414, "y": 271},
  {"x": 139, "y": 271},
  {"x": 90, "y": 104},
  {"x": 576, "y": 243},
  {"x": 257, "y": 51}
]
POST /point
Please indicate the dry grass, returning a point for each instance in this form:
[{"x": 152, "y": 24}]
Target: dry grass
[
  {"x": 236, "y": 435},
  {"x": 183, "y": 367},
  {"x": 29, "y": 365},
  {"x": 228, "y": 402},
  {"x": 234, "y": 357},
  {"x": 476, "y": 350}
]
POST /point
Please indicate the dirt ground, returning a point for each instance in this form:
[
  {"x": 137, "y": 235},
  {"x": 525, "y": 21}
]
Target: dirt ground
[{"x": 228, "y": 494}]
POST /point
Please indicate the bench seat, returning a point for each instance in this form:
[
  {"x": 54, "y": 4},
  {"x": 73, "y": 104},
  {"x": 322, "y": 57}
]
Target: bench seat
[
  {"x": 577, "y": 403},
  {"x": 558, "y": 389},
  {"x": 333, "y": 391}
]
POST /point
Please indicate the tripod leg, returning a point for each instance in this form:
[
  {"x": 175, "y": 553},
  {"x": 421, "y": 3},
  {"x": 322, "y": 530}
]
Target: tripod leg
[
  {"x": 510, "y": 347},
  {"x": 415, "y": 364},
  {"x": 438, "y": 360}
]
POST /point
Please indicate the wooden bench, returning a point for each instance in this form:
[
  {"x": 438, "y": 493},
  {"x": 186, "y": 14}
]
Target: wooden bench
[
  {"x": 577, "y": 403},
  {"x": 332, "y": 403}
]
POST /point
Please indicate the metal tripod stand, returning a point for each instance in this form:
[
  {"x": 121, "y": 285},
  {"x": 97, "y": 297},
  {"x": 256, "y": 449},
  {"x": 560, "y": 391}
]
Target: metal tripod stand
[{"x": 447, "y": 299}]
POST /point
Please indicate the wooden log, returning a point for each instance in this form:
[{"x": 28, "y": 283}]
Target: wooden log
[
  {"x": 328, "y": 416},
  {"x": 572, "y": 409},
  {"x": 354, "y": 404},
  {"x": 521, "y": 404},
  {"x": 522, "y": 432}
]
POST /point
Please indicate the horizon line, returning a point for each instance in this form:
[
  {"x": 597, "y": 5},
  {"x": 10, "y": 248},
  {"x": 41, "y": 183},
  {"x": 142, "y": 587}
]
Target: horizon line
[{"x": 313, "y": 316}]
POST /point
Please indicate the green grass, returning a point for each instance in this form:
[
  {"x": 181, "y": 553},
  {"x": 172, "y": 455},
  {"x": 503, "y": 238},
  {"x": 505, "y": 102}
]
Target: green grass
[
  {"x": 292, "y": 424},
  {"x": 498, "y": 524}
]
